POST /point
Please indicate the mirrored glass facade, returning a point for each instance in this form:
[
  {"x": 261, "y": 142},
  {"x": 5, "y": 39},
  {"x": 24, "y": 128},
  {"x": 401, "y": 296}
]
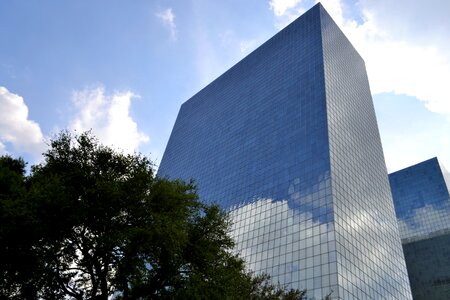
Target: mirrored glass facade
[
  {"x": 422, "y": 204},
  {"x": 287, "y": 141}
]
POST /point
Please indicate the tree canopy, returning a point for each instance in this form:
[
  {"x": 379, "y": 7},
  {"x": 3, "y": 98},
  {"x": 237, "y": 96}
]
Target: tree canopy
[{"x": 91, "y": 222}]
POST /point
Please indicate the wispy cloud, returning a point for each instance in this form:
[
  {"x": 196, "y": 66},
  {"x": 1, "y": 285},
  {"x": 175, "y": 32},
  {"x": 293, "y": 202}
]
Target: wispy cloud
[
  {"x": 168, "y": 18},
  {"x": 246, "y": 46},
  {"x": 109, "y": 118},
  {"x": 23, "y": 134},
  {"x": 281, "y": 7},
  {"x": 286, "y": 11}
]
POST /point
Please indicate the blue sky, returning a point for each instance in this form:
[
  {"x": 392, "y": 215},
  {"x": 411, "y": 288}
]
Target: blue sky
[{"x": 123, "y": 68}]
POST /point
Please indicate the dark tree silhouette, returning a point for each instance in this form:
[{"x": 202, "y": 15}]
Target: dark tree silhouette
[{"x": 94, "y": 223}]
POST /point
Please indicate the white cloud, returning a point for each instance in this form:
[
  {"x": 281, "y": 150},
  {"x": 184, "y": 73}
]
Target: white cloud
[
  {"x": 281, "y": 7},
  {"x": 396, "y": 60},
  {"x": 15, "y": 128},
  {"x": 418, "y": 21},
  {"x": 168, "y": 18},
  {"x": 402, "y": 66},
  {"x": 109, "y": 118},
  {"x": 405, "y": 53}
]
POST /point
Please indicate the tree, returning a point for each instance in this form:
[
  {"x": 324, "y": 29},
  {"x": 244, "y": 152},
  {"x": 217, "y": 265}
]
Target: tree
[
  {"x": 18, "y": 263},
  {"x": 93, "y": 223}
]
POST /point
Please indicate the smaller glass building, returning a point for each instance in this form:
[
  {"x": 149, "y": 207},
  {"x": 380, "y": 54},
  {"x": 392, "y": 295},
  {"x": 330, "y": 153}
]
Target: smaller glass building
[{"x": 422, "y": 204}]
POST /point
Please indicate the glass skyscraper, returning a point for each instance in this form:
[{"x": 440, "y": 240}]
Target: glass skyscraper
[
  {"x": 287, "y": 141},
  {"x": 422, "y": 203}
]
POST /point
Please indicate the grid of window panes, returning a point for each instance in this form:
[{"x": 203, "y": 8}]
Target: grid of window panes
[
  {"x": 428, "y": 262},
  {"x": 256, "y": 141},
  {"x": 422, "y": 203},
  {"x": 369, "y": 254}
]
